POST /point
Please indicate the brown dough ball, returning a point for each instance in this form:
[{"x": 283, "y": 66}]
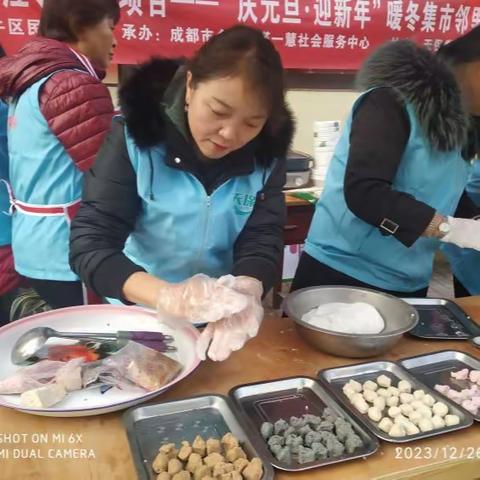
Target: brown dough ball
[
  {"x": 221, "y": 468},
  {"x": 194, "y": 461},
  {"x": 213, "y": 445},
  {"x": 183, "y": 475},
  {"x": 198, "y": 445},
  {"x": 160, "y": 463},
  {"x": 212, "y": 459},
  {"x": 235, "y": 453},
  {"x": 169, "y": 450},
  {"x": 202, "y": 472},
  {"x": 185, "y": 451},
  {"x": 254, "y": 470},
  {"x": 164, "y": 476},
  {"x": 229, "y": 441},
  {"x": 174, "y": 466},
  {"x": 240, "y": 464}
]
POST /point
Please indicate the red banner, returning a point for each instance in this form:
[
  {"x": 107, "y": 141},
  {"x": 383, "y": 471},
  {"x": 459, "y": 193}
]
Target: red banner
[{"x": 310, "y": 34}]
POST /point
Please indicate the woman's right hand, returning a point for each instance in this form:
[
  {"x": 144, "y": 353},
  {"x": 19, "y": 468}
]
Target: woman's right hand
[{"x": 200, "y": 299}]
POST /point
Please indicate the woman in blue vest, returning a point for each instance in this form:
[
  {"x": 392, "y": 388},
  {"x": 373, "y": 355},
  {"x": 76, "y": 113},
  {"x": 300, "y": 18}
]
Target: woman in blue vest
[
  {"x": 187, "y": 188},
  {"x": 59, "y": 112},
  {"x": 465, "y": 262},
  {"x": 398, "y": 172},
  {"x": 9, "y": 278}
]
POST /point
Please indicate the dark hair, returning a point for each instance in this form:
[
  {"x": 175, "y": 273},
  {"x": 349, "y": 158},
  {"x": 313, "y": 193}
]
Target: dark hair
[
  {"x": 63, "y": 19},
  {"x": 2, "y": 52},
  {"x": 242, "y": 50},
  {"x": 464, "y": 49}
]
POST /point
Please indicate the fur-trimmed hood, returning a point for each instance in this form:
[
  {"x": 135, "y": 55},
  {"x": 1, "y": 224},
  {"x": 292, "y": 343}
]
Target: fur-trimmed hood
[
  {"x": 427, "y": 83},
  {"x": 142, "y": 100}
]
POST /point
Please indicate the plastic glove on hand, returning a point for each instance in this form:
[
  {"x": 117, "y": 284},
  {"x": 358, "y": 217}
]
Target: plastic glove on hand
[
  {"x": 464, "y": 232},
  {"x": 200, "y": 299},
  {"x": 228, "y": 335}
]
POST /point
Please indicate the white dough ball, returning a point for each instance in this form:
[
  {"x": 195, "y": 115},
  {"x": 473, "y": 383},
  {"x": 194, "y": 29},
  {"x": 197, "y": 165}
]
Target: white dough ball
[
  {"x": 397, "y": 430},
  {"x": 451, "y": 420},
  {"x": 393, "y": 391},
  {"x": 354, "y": 385},
  {"x": 385, "y": 424},
  {"x": 406, "y": 398},
  {"x": 404, "y": 386},
  {"x": 369, "y": 395},
  {"x": 384, "y": 381},
  {"x": 425, "y": 425},
  {"x": 379, "y": 403},
  {"x": 425, "y": 411},
  {"x": 392, "y": 401},
  {"x": 357, "y": 397},
  {"x": 438, "y": 422},
  {"x": 406, "y": 409},
  {"x": 418, "y": 394},
  {"x": 410, "y": 428},
  {"x": 394, "y": 411},
  {"x": 415, "y": 417},
  {"x": 440, "y": 409},
  {"x": 361, "y": 406},
  {"x": 400, "y": 419},
  {"x": 374, "y": 414},
  {"x": 383, "y": 392},
  {"x": 428, "y": 400},
  {"x": 416, "y": 404},
  {"x": 369, "y": 385}
]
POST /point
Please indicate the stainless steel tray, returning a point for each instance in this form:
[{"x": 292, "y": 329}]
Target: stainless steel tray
[
  {"x": 435, "y": 368},
  {"x": 442, "y": 319},
  {"x": 335, "y": 378},
  {"x": 270, "y": 401},
  {"x": 209, "y": 416}
]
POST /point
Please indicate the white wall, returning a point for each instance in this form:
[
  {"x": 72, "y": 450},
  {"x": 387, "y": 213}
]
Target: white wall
[{"x": 311, "y": 105}]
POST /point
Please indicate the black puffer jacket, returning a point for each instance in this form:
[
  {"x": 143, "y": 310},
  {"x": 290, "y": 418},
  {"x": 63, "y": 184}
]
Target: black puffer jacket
[{"x": 111, "y": 203}]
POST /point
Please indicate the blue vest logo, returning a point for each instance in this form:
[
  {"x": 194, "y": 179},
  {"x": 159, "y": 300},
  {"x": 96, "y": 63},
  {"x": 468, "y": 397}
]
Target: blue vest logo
[{"x": 243, "y": 203}]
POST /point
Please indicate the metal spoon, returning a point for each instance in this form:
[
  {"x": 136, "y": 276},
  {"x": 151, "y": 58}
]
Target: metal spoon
[
  {"x": 31, "y": 341},
  {"x": 476, "y": 341}
]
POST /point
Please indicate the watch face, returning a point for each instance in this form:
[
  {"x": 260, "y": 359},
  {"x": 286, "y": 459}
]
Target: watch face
[{"x": 444, "y": 227}]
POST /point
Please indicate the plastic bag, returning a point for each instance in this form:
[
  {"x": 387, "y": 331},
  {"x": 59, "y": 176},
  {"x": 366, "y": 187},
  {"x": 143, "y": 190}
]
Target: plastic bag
[
  {"x": 136, "y": 363},
  {"x": 28, "y": 378}
]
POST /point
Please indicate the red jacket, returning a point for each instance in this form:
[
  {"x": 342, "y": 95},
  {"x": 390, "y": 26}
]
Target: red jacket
[{"x": 77, "y": 107}]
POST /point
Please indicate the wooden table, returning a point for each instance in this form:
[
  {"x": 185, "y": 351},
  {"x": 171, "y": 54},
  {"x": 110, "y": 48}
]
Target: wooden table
[{"x": 275, "y": 353}]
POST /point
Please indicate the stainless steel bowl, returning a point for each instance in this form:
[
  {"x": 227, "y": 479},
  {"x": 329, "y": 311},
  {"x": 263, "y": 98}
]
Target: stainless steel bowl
[{"x": 399, "y": 317}]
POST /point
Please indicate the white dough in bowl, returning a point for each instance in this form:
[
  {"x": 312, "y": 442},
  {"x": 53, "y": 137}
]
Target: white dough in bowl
[{"x": 359, "y": 317}]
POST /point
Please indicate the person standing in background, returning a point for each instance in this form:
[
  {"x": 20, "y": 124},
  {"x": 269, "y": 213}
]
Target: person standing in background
[
  {"x": 9, "y": 278},
  {"x": 398, "y": 172},
  {"x": 59, "y": 113}
]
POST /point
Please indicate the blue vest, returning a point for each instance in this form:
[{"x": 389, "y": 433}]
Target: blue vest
[
  {"x": 42, "y": 173},
  {"x": 465, "y": 262},
  {"x": 473, "y": 187},
  {"x": 5, "y": 220},
  {"x": 346, "y": 243},
  {"x": 181, "y": 230}
]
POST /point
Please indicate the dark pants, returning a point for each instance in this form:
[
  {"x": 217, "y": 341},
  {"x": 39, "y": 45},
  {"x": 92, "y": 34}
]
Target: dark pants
[
  {"x": 311, "y": 273},
  {"x": 5, "y": 303},
  {"x": 58, "y": 294}
]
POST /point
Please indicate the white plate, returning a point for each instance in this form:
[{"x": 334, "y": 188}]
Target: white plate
[{"x": 96, "y": 318}]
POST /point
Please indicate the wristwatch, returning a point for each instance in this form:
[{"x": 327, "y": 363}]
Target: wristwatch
[{"x": 443, "y": 228}]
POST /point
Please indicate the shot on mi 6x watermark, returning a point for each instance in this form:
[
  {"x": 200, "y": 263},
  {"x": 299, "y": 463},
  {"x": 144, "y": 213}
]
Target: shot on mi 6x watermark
[{"x": 43, "y": 446}]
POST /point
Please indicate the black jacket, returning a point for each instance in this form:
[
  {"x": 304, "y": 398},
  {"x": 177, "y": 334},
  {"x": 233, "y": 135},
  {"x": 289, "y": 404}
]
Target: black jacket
[
  {"x": 110, "y": 203},
  {"x": 380, "y": 132}
]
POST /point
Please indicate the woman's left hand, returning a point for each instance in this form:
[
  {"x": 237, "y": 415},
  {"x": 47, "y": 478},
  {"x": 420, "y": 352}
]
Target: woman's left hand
[{"x": 230, "y": 334}]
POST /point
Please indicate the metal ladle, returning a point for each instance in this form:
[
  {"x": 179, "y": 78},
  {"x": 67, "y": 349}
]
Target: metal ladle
[{"x": 31, "y": 341}]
